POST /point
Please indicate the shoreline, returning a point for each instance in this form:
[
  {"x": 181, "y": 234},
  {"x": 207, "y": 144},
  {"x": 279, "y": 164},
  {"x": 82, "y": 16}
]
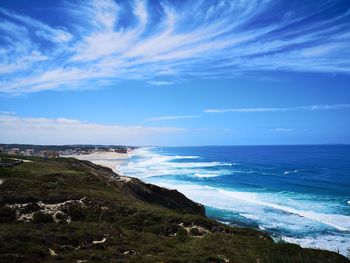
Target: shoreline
[
  {"x": 112, "y": 160},
  {"x": 106, "y": 159}
]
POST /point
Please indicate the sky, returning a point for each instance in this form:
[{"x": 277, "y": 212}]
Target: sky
[{"x": 235, "y": 72}]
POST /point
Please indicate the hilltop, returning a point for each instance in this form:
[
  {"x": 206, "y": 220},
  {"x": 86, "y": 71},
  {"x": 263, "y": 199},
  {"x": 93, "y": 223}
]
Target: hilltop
[{"x": 66, "y": 210}]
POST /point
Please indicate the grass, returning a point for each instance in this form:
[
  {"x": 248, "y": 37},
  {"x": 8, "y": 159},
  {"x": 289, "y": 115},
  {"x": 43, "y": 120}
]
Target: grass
[{"x": 134, "y": 230}]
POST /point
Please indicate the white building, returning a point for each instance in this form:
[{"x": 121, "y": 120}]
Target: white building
[
  {"x": 14, "y": 151},
  {"x": 29, "y": 152}
]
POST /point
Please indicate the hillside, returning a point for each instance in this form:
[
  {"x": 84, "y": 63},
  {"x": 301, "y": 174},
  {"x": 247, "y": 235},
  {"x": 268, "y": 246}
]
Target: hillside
[{"x": 65, "y": 210}]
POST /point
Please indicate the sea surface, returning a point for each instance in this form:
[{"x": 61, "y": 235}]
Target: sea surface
[{"x": 300, "y": 194}]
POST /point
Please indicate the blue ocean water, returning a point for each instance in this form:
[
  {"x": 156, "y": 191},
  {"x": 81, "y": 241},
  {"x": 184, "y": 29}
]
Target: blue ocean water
[{"x": 300, "y": 194}]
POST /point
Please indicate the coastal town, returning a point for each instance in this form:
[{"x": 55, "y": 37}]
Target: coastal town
[{"x": 59, "y": 151}]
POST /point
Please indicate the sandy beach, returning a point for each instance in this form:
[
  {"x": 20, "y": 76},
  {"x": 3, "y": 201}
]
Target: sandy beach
[{"x": 107, "y": 159}]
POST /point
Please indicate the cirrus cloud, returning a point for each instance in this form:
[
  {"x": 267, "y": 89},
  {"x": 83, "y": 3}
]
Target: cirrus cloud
[
  {"x": 105, "y": 41},
  {"x": 297, "y": 108}
]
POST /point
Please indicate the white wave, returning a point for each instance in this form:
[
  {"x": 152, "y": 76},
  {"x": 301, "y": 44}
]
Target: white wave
[
  {"x": 147, "y": 152},
  {"x": 185, "y": 157},
  {"x": 340, "y": 222},
  {"x": 337, "y": 243},
  {"x": 250, "y": 216},
  {"x": 218, "y": 198},
  {"x": 194, "y": 165},
  {"x": 151, "y": 164},
  {"x": 289, "y": 172},
  {"x": 349, "y": 202},
  {"x": 205, "y": 175}
]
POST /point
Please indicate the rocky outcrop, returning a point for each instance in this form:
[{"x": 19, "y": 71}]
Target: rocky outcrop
[
  {"x": 146, "y": 192},
  {"x": 162, "y": 196}
]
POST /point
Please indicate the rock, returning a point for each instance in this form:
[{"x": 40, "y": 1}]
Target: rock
[
  {"x": 131, "y": 252},
  {"x": 161, "y": 196},
  {"x": 52, "y": 252}
]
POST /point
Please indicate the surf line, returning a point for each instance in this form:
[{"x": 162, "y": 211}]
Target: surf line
[{"x": 340, "y": 222}]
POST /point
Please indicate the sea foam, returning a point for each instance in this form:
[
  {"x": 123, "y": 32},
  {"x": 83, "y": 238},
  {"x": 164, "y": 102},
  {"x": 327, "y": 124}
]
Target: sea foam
[
  {"x": 155, "y": 165},
  {"x": 340, "y": 222}
]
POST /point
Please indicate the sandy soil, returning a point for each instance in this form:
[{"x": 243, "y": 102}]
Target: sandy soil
[{"x": 107, "y": 159}]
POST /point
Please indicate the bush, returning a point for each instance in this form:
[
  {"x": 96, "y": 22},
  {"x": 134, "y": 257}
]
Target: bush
[
  {"x": 182, "y": 235},
  {"x": 195, "y": 232},
  {"x": 7, "y": 214},
  {"x": 40, "y": 217},
  {"x": 30, "y": 208},
  {"x": 212, "y": 259},
  {"x": 76, "y": 212}
]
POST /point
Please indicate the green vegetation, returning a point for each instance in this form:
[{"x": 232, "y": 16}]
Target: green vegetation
[{"x": 65, "y": 210}]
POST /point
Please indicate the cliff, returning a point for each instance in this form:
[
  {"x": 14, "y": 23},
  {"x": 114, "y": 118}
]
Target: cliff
[{"x": 74, "y": 211}]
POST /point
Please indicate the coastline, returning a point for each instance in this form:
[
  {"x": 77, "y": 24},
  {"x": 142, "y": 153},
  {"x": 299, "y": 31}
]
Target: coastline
[
  {"x": 88, "y": 216},
  {"x": 107, "y": 159},
  {"x": 112, "y": 160}
]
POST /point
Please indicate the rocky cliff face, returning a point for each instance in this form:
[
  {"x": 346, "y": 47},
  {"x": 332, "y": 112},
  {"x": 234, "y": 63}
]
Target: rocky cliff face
[
  {"x": 161, "y": 196},
  {"x": 147, "y": 192}
]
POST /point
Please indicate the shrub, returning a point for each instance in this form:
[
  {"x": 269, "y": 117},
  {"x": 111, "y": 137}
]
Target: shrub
[
  {"x": 76, "y": 212},
  {"x": 182, "y": 235},
  {"x": 195, "y": 232},
  {"x": 30, "y": 208},
  {"x": 41, "y": 217},
  {"x": 212, "y": 259},
  {"x": 7, "y": 214}
]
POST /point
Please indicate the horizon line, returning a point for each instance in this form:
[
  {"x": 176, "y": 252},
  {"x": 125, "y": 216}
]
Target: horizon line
[{"x": 174, "y": 146}]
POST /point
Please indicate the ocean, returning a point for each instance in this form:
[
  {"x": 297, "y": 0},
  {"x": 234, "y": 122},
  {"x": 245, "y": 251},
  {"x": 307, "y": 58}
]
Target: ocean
[{"x": 300, "y": 194}]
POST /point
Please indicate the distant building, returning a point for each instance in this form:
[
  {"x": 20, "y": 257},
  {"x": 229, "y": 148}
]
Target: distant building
[
  {"x": 14, "y": 151},
  {"x": 42, "y": 154},
  {"x": 1, "y": 149},
  {"x": 66, "y": 152},
  {"x": 48, "y": 154},
  {"x": 52, "y": 154},
  {"x": 29, "y": 152}
]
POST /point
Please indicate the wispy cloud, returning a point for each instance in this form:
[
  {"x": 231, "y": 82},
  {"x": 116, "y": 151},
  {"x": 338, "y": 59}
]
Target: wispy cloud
[
  {"x": 64, "y": 131},
  {"x": 160, "y": 83},
  {"x": 43, "y": 30},
  {"x": 168, "y": 118},
  {"x": 297, "y": 108},
  {"x": 105, "y": 41},
  {"x": 281, "y": 130},
  {"x": 7, "y": 113}
]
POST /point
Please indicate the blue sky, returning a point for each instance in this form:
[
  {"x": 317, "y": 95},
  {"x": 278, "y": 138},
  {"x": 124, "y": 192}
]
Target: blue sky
[{"x": 175, "y": 72}]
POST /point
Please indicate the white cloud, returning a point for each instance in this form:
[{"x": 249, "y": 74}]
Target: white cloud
[
  {"x": 98, "y": 44},
  {"x": 7, "y": 113},
  {"x": 168, "y": 118},
  {"x": 281, "y": 130},
  {"x": 69, "y": 131},
  {"x": 160, "y": 82},
  {"x": 298, "y": 108},
  {"x": 42, "y": 30}
]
